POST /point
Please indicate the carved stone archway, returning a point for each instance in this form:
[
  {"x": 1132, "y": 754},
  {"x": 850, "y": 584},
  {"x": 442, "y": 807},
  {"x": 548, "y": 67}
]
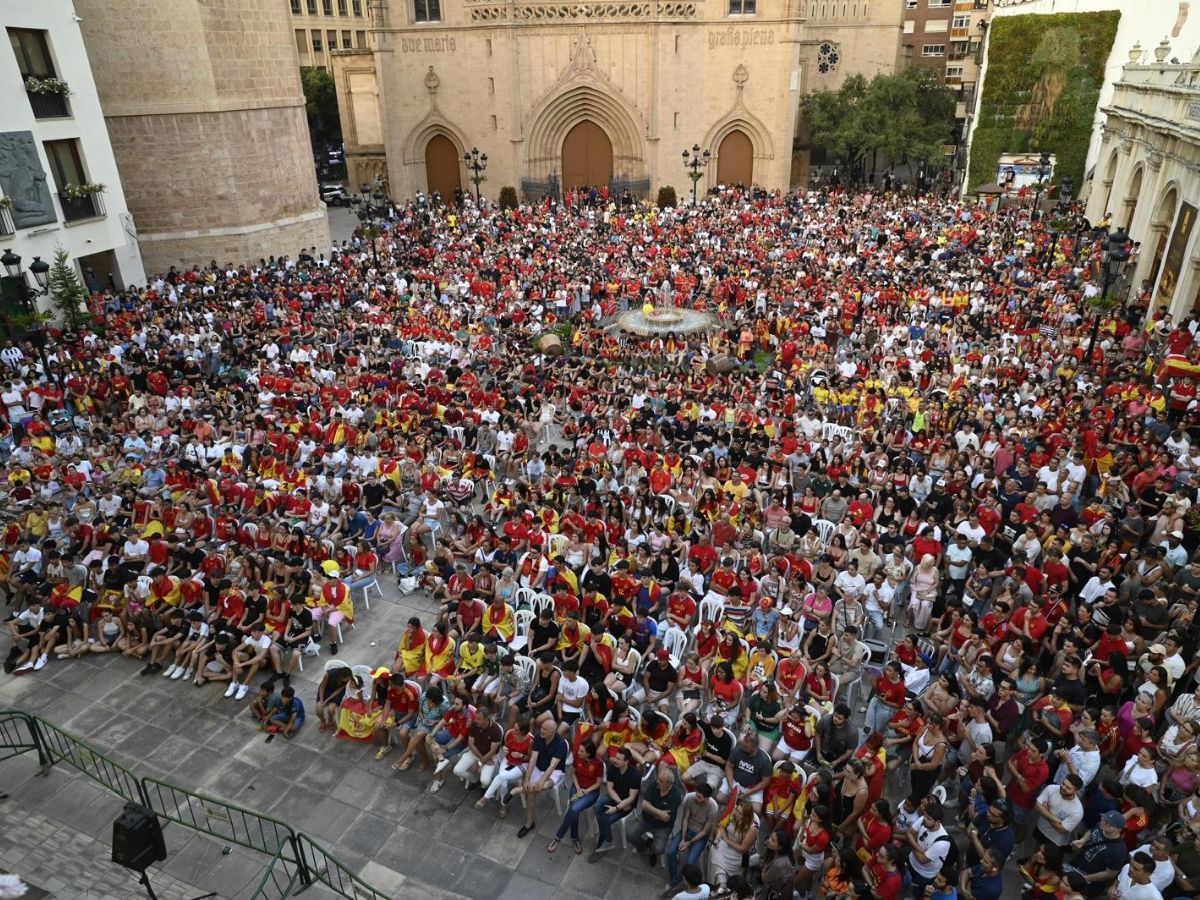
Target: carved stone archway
[{"x": 558, "y": 114}]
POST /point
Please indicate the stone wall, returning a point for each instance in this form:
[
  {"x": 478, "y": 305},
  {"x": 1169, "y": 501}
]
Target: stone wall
[
  {"x": 513, "y": 78},
  {"x": 206, "y": 116},
  {"x": 160, "y": 252}
]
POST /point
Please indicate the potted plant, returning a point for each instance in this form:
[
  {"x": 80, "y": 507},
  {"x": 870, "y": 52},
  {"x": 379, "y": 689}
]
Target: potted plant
[
  {"x": 79, "y": 191},
  {"x": 50, "y": 85},
  {"x": 6, "y": 202}
]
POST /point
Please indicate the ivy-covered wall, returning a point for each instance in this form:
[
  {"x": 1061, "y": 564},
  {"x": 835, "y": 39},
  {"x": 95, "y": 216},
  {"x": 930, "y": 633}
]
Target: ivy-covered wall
[{"x": 1041, "y": 88}]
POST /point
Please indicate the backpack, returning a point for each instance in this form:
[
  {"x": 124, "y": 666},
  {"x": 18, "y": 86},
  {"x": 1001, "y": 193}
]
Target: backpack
[{"x": 950, "y": 863}]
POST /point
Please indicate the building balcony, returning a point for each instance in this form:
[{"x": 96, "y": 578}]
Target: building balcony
[
  {"x": 49, "y": 106},
  {"x": 76, "y": 209}
]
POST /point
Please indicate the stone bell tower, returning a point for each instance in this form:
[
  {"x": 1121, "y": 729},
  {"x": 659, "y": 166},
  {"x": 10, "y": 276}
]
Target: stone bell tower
[{"x": 205, "y": 113}]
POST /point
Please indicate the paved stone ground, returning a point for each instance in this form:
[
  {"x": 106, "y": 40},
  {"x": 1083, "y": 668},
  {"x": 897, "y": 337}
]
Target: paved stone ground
[
  {"x": 382, "y": 824},
  {"x": 61, "y": 863}
]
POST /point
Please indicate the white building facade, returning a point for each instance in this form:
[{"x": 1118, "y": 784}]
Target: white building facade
[
  {"x": 1147, "y": 173},
  {"x": 55, "y": 154}
]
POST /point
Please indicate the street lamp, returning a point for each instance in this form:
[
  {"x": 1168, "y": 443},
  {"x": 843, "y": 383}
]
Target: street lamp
[
  {"x": 696, "y": 162},
  {"x": 29, "y": 296},
  {"x": 1112, "y": 260},
  {"x": 1043, "y": 173},
  {"x": 476, "y": 163}
]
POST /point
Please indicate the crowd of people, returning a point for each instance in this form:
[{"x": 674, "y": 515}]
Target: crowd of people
[{"x": 885, "y": 585}]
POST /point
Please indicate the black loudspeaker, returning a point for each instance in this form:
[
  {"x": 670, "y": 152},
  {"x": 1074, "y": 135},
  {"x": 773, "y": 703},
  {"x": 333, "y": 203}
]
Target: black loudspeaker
[{"x": 137, "y": 838}]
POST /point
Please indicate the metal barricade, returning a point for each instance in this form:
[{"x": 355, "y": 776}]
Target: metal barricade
[
  {"x": 19, "y": 735},
  {"x": 61, "y": 746},
  {"x": 284, "y": 876},
  {"x": 216, "y": 817},
  {"x": 297, "y": 861},
  {"x": 323, "y": 868}
]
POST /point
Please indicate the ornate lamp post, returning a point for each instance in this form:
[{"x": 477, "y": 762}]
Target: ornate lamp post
[
  {"x": 476, "y": 163},
  {"x": 696, "y": 161},
  {"x": 29, "y": 296},
  {"x": 1043, "y": 173},
  {"x": 1112, "y": 261}
]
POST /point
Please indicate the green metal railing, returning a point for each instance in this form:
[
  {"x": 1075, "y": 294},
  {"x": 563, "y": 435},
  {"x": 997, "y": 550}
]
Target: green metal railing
[
  {"x": 216, "y": 817},
  {"x": 283, "y": 877},
  {"x": 18, "y": 735},
  {"x": 297, "y": 861},
  {"x": 59, "y": 746},
  {"x": 323, "y": 867}
]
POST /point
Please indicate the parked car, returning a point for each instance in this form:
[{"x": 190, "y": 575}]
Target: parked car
[{"x": 335, "y": 194}]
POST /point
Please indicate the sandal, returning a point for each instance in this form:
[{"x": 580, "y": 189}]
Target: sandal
[
  {"x": 381, "y": 753},
  {"x": 578, "y": 848},
  {"x": 553, "y": 846},
  {"x": 402, "y": 766},
  {"x": 481, "y": 803}
]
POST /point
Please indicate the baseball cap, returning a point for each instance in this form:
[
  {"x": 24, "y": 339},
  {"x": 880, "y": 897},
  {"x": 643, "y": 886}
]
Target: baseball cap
[
  {"x": 664, "y": 655},
  {"x": 1113, "y": 819}
]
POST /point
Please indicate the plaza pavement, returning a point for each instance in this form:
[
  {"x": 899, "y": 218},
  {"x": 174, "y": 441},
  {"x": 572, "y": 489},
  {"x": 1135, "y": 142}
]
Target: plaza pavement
[{"x": 383, "y": 825}]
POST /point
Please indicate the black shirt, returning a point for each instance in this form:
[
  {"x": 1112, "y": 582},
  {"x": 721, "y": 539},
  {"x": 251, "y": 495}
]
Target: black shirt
[
  {"x": 1071, "y": 690},
  {"x": 299, "y": 621},
  {"x": 539, "y": 633},
  {"x": 718, "y": 746},
  {"x": 624, "y": 783},
  {"x": 546, "y": 753},
  {"x": 373, "y": 494}
]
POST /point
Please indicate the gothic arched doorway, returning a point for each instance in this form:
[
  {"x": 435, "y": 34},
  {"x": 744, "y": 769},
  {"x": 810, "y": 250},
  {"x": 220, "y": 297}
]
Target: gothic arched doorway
[
  {"x": 442, "y": 171},
  {"x": 587, "y": 156},
  {"x": 735, "y": 159}
]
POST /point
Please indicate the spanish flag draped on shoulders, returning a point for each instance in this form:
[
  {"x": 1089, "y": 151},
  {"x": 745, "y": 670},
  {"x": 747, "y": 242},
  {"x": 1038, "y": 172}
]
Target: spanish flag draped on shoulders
[
  {"x": 335, "y": 593},
  {"x": 499, "y": 621},
  {"x": 439, "y": 653}
]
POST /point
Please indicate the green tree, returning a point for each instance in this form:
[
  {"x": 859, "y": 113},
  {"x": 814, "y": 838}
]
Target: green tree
[
  {"x": 907, "y": 116},
  {"x": 66, "y": 292},
  {"x": 320, "y": 103}
]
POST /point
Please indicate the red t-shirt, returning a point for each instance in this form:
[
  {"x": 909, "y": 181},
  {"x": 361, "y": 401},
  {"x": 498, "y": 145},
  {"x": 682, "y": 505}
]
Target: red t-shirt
[{"x": 1035, "y": 774}]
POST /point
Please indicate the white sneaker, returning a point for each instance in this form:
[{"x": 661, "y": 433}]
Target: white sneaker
[
  {"x": 241, "y": 692},
  {"x": 41, "y": 662},
  {"x": 441, "y": 767},
  {"x": 436, "y": 786},
  {"x": 171, "y": 672},
  {"x": 187, "y": 674},
  {"x": 232, "y": 689},
  {"x": 180, "y": 672}
]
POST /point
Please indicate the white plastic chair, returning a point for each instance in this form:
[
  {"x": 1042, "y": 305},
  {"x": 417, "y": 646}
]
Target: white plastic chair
[
  {"x": 540, "y": 602},
  {"x": 521, "y": 629},
  {"x": 372, "y": 586},
  {"x": 527, "y": 667},
  {"x": 456, "y": 432},
  {"x": 636, "y": 656},
  {"x": 523, "y": 598},
  {"x": 364, "y": 672},
  {"x": 556, "y": 544},
  {"x": 675, "y": 642},
  {"x": 711, "y": 610},
  {"x": 825, "y": 530}
]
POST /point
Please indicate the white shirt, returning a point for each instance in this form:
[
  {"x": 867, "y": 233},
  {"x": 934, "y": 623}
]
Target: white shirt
[
  {"x": 1163, "y": 874},
  {"x": 1086, "y": 762},
  {"x": 1127, "y": 890},
  {"x": 1069, "y": 812},
  {"x": 935, "y": 844}
]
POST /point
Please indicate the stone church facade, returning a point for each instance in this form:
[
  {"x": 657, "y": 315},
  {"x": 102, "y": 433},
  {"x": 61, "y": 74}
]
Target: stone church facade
[{"x": 565, "y": 94}]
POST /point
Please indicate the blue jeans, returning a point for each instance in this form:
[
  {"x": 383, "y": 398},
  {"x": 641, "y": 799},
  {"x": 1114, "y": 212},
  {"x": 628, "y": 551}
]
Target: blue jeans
[
  {"x": 691, "y": 857},
  {"x": 605, "y": 820},
  {"x": 574, "y": 811}
]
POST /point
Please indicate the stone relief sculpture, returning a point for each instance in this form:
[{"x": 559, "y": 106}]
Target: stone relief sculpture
[{"x": 24, "y": 180}]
